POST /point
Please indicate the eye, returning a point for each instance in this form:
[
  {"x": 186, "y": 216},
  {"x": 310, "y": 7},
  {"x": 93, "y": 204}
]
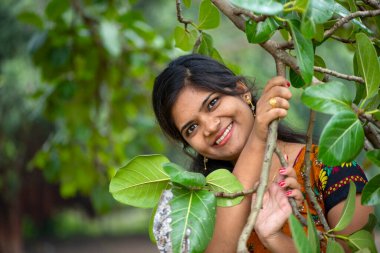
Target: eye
[
  {"x": 212, "y": 103},
  {"x": 191, "y": 129}
]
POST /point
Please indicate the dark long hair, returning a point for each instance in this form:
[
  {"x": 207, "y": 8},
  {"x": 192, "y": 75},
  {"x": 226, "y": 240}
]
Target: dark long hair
[{"x": 204, "y": 73}]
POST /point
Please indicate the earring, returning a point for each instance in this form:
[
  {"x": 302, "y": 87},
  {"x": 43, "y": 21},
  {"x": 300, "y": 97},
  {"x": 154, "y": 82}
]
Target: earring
[
  {"x": 205, "y": 160},
  {"x": 248, "y": 100}
]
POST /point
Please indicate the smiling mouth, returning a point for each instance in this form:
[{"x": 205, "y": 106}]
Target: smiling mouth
[{"x": 226, "y": 132}]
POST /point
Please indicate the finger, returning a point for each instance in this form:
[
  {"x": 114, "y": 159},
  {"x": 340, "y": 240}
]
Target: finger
[
  {"x": 276, "y": 91},
  {"x": 277, "y": 81},
  {"x": 278, "y": 103},
  {"x": 288, "y": 171},
  {"x": 296, "y": 194},
  {"x": 289, "y": 182},
  {"x": 269, "y": 116}
]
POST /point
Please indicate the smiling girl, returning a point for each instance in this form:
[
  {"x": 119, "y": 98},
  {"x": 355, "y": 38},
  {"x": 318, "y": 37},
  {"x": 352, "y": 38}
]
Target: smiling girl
[{"x": 205, "y": 106}]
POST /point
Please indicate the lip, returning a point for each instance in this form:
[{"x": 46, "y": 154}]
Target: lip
[{"x": 226, "y": 138}]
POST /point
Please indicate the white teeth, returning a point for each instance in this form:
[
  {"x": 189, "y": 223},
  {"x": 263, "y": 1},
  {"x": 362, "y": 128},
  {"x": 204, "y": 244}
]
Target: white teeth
[{"x": 221, "y": 138}]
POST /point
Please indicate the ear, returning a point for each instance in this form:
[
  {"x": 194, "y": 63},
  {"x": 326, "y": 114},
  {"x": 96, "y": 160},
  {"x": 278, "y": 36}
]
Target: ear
[{"x": 240, "y": 86}]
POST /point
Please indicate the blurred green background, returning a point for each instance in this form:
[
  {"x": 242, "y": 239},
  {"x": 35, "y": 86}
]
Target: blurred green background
[{"x": 75, "y": 88}]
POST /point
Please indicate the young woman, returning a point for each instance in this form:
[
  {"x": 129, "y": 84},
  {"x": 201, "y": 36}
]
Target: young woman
[{"x": 202, "y": 104}]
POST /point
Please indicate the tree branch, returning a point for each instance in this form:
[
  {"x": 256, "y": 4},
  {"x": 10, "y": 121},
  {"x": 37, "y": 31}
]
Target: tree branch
[
  {"x": 339, "y": 75},
  {"x": 239, "y": 11},
  {"x": 373, "y": 3},
  {"x": 308, "y": 165},
  {"x": 179, "y": 14},
  {"x": 347, "y": 18}
]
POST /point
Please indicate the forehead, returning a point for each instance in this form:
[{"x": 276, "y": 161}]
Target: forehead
[{"x": 188, "y": 104}]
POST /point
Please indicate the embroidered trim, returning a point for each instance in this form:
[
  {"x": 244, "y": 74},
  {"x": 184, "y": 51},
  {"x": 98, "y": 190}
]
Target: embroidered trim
[{"x": 343, "y": 182}]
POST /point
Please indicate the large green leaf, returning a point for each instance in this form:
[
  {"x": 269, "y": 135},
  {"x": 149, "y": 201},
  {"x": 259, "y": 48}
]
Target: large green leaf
[
  {"x": 304, "y": 51},
  {"x": 374, "y": 156},
  {"x": 186, "y": 178},
  {"x": 56, "y": 8},
  {"x": 331, "y": 97},
  {"x": 368, "y": 64},
  {"x": 260, "y": 32},
  {"x": 333, "y": 247},
  {"x": 184, "y": 39},
  {"x": 299, "y": 236},
  {"x": 295, "y": 79},
  {"x": 140, "y": 182},
  {"x": 362, "y": 239},
  {"x": 342, "y": 139},
  {"x": 267, "y": 7},
  {"x": 31, "y": 18},
  {"x": 318, "y": 61},
  {"x": 209, "y": 16},
  {"x": 222, "y": 180},
  {"x": 348, "y": 209},
  {"x": 312, "y": 235},
  {"x": 187, "y": 3},
  {"x": 371, "y": 192},
  {"x": 206, "y": 47},
  {"x": 193, "y": 217},
  {"x": 319, "y": 11}
]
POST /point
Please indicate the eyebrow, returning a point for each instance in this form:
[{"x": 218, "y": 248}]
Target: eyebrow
[{"x": 200, "y": 108}]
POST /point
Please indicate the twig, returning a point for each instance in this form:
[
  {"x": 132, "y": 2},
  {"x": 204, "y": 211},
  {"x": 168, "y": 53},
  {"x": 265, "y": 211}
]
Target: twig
[
  {"x": 286, "y": 45},
  {"x": 307, "y": 161},
  {"x": 179, "y": 14},
  {"x": 339, "y": 75},
  {"x": 347, "y": 18},
  {"x": 373, "y": 3},
  {"x": 240, "y": 11},
  {"x": 367, "y": 144},
  {"x": 365, "y": 116},
  {"x": 291, "y": 200},
  {"x": 348, "y": 41},
  {"x": 235, "y": 194}
]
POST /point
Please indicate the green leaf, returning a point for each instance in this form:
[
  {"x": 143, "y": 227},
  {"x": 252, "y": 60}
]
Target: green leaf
[
  {"x": 374, "y": 156},
  {"x": 312, "y": 235},
  {"x": 371, "y": 223},
  {"x": 209, "y": 16},
  {"x": 308, "y": 28},
  {"x": 318, "y": 61},
  {"x": 151, "y": 224},
  {"x": 206, "y": 47},
  {"x": 184, "y": 39},
  {"x": 331, "y": 97},
  {"x": 215, "y": 54},
  {"x": 31, "y": 18},
  {"x": 109, "y": 33},
  {"x": 319, "y": 32},
  {"x": 140, "y": 182},
  {"x": 371, "y": 192},
  {"x": 299, "y": 236},
  {"x": 368, "y": 64},
  {"x": 362, "y": 239},
  {"x": 187, "y": 3},
  {"x": 260, "y": 32},
  {"x": 222, "y": 180},
  {"x": 304, "y": 52},
  {"x": 334, "y": 247},
  {"x": 295, "y": 79},
  {"x": 186, "y": 178},
  {"x": 348, "y": 209},
  {"x": 193, "y": 213},
  {"x": 319, "y": 11},
  {"x": 56, "y": 8},
  {"x": 342, "y": 139},
  {"x": 266, "y": 7}
]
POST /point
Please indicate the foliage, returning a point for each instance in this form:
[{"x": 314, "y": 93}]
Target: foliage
[
  {"x": 98, "y": 61},
  {"x": 305, "y": 25},
  {"x": 186, "y": 209}
]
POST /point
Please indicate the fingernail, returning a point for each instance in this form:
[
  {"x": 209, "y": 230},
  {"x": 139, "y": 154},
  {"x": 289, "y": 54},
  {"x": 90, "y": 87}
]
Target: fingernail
[
  {"x": 281, "y": 183},
  {"x": 282, "y": 171},
  {"x": 288, "y": 83},
  {"x": 286, "y": 157},
  {"x": 288, "y": 192}
]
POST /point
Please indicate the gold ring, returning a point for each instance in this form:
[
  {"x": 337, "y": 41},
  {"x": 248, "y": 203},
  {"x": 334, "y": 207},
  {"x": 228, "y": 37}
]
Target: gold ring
[{"x": 273, "y": 102}]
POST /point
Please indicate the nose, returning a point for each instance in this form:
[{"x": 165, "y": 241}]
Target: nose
[{"x": 211, "y": 125}]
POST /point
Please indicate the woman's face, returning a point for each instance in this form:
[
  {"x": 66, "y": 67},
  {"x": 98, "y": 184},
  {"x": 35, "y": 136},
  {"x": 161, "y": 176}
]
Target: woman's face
[{"x": 215, "y": 125}]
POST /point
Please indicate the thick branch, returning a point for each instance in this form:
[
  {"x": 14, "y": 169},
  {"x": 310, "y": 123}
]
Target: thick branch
[
  {"x": 347, "y": 18},
  {"x": 239, "y": 11},
  {"x": 308, "y": 188},
  {"x": 339, "y": 75}
]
